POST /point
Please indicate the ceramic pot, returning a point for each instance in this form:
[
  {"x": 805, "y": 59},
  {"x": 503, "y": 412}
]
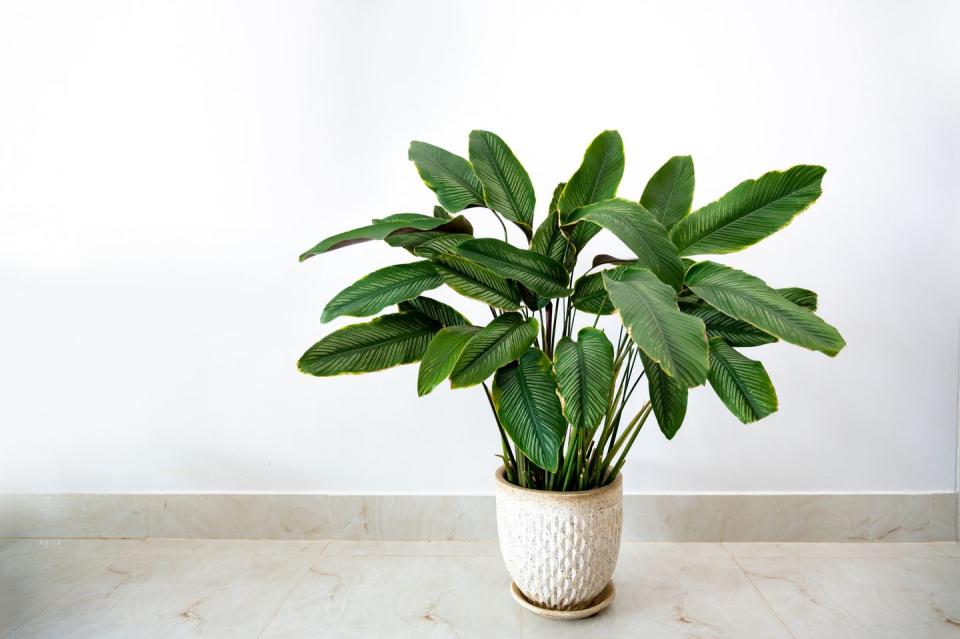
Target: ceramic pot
[{"x": 560, "y": 548}]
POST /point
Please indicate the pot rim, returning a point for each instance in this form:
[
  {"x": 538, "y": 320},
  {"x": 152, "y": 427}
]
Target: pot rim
[{"x": 615, "y": 485}]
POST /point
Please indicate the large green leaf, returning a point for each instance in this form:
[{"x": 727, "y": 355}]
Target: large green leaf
[
  {"x": 446, "y": 315},
  {"x": 389, "y": 340},
  {"x": 597, "y": 179},
  {"x": 589, "y": 294},
  {"x": 742, "y": 383},
  {"x": 750, "y": 212},
  {"x": 735, "y": 332},
  {"x": 477, "y": 282},
  {"x": 669, "y": 193},
  {"x": 525, "y": 398},
  {"x": 648, "y": 309},
  {"x": 506, "y": 186},
  {"x": 374, "y": 292},
  {"x": 641, "y": 232},
  {"x": 667, "y": 395},
  {"x": 550, "y": 241},
  {"x": 441, "y": 244},
  {"x": 748, "y": 298},
  {"x": 410, "y": 238},
  {"x": 799, "y": 296},
  {"x": 382, "y": 228},
  {"x": 585, "y": 377},
  {"x": 448, "y": 175},
  {"x": 499, "y": 342},
  {"x": 537, "y": 272},
  {"x": 598, "y": 176},
  {"x": 441, "y": 356}
]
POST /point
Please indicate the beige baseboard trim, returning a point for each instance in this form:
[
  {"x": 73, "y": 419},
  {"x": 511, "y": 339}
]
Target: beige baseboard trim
[{"x": 796, "y": 518}]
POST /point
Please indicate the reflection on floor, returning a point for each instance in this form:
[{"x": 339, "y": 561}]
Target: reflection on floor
[{"x": 61, "y": 589}]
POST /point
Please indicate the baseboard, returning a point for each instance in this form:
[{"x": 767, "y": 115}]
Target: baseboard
[{"x": 795, "y": 517}]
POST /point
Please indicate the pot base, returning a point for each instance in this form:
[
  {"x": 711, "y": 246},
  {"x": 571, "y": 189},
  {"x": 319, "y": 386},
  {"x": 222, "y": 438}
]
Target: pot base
[{"x": 599, "y": 602}]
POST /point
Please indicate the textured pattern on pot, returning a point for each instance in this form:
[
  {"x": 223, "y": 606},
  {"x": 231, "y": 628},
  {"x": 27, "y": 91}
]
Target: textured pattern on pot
[{"x": 560, "y": 548}]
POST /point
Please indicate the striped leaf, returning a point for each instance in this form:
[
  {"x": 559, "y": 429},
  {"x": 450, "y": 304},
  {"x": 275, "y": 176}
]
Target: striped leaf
[
  {"x": 551, "y": 242},
  {"x": 374, "y": 292},
  {"x": 667, "y": 396},
  {"x": 585, "y": 377},
  {"x": 501, "y": 341},
  {"x": 441, "y": 356},
  {"x": 410, "y": 238},
  {"x": 441, "y": 244},
  {"x": 438, "y": 311},
  {"x": 641, "y": 232},
  {"x": 748, "y": 298},
  {"x": 735, "y": 332},
  {"x": 382, "y": 228},
  {"x": 475, "y": 281},
  {"x": 750, "y": 212},
  {"x": 742, "y": 383},
  {"x": 441, "y": 213},
  {"x": 799, "y": 296},
  {"x": 448, "y": 175},
  {"x": 537, "y": 272},
  {"x": 506, "y": 186},
  {"x": 589, "y": 294},
  {"x": 525, "y": 398},
  {"x": 387, "y": 341},
  {"x": 598, "y": 176},
  {"x": 597, "y": 179},
  {"x": 648, "y": 309},
  {"x": 669, "y": 193}
]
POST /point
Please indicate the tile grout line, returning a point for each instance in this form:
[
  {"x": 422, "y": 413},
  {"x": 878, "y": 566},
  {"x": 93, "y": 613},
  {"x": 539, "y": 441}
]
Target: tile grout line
[{"x": 765, "y": 600}]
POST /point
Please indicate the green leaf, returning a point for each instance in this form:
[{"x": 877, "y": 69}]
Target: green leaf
[
  {"x": 475, "y": 281},
  {"x": 440, "y": 245},
  {"x": 438, "y": 311},
  {"x": 799, "y": 296},
  {"x": 667, "y": 395},
  {"x": 379, "y": 230},
  {"x": 597, "y": 179},
  {"x": 585, "y": 377},
  {"x": 748, "y": 298},
  {"x": 648, "y": 309},
  {"x": 499, "y": 342},
  {"x": 598, "y": 176},
  {"x": 410, "y": 237},
  {"x": 735, "y": 332},
  {"x": 525, "y": 398},
  {"x": 374, "y": 292},
  {"x": 506, "y": 186},
  {"x": 537, "y": 272},
  {"x": 551, "y": 242},
  {"x": 441, "y": 356},
  {"x": 448, "y": 175},
  {"x": 741, "y": 383},
  {"x": 602, "y": 259},
  {"x": 441, "y": 213},
  {"x": 387, "y": 341},
  {"x": 669, "y": 193},
  {"x": 750, "y": 212},
  {"x": 589, "y": 294},
  {"x": 638, "y": 229}
]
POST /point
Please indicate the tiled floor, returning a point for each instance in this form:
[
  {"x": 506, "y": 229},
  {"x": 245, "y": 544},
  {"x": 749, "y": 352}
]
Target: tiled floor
[{"x": 282, "y": 589}]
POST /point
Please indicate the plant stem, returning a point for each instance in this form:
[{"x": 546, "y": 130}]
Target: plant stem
[{"x": 509, "y": 462}]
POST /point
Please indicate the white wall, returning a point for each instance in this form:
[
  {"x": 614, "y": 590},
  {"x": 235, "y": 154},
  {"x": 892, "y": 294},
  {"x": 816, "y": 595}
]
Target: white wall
[{"x": 162, "y": 165}]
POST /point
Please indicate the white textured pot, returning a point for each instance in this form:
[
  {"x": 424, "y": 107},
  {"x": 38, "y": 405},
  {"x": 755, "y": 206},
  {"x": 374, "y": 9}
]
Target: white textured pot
[{"x": 560, "y": 548}]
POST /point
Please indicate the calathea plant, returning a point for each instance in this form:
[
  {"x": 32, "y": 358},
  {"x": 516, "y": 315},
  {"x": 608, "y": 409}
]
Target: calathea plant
[{"x": 562, "y": 389}]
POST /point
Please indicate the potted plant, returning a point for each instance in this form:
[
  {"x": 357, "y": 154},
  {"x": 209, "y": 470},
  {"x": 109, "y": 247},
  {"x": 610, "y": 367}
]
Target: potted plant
[{"x": 562, "y": 389}]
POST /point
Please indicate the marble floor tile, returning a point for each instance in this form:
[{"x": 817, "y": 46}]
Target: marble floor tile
[
  {"x": 821, "y": 549},
  {"x": 383, "y": 597},
  {"x": 668, "y": 597},
  {"x": 672, "y": 549},
  {"x": 404, "y": 548},
  {"x": 951, "y": 548},
  {"x": 852, "y": 597},
  {"x": 174, "y": 595}
]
